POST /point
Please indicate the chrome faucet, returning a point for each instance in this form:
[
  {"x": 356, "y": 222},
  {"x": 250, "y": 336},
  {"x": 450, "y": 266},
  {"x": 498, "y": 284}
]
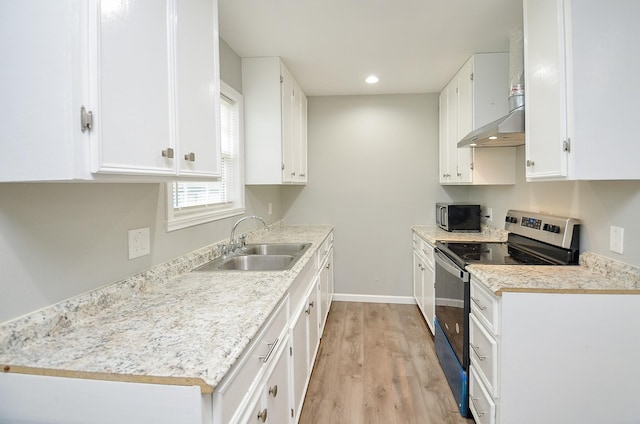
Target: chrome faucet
[{"x": 233, "y": 244}]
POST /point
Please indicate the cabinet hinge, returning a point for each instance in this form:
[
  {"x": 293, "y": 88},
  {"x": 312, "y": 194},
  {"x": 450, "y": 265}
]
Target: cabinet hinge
[
  {"x": 471, "y": 76},
  {"x": 281, "y": 79},
  {"x": 283, "y": 166},
  {"x": 471, "y": 166},
  {"x": 566, "y": 145},
  {"x": 86, "y": 119}
]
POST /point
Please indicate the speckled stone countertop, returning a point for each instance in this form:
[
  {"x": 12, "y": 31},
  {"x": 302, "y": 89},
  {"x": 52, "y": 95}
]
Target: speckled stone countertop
[
  {"x": 595, "y": 274},
  {"x": 167, "y": 325},
  {"x": 433, "y": 233}
]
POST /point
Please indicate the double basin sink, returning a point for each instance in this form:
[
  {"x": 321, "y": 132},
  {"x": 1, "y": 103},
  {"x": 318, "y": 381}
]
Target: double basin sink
[{"x": 259, "y": 257}]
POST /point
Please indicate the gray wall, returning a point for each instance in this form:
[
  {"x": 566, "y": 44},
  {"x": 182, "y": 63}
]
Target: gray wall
[
  {"x": 598, "y": 204},
  {"x": 373, "y": 173},
  {"x": 61, "y": 240}
]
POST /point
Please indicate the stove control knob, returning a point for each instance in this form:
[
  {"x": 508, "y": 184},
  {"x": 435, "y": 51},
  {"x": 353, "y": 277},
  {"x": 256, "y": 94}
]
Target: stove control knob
[
  {"x": 545, "y": 227},
  {"x": 556, "y": 229}
]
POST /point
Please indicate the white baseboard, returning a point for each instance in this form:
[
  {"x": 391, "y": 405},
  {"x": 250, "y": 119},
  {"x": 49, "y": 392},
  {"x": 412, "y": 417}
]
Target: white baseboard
[{"x": 373, "y": 298}]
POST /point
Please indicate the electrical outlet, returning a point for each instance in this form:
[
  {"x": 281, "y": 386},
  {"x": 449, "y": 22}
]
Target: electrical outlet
[
  {"x": 616, "y": 239},
  {"x": 486, "y": 214},
  {"x": 270, "y": 208},
  {"x": 139, "y": 242}
]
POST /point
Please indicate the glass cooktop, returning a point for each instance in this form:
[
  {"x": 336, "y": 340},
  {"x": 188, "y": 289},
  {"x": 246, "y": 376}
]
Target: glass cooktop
[{"x": 491, "y": 254}]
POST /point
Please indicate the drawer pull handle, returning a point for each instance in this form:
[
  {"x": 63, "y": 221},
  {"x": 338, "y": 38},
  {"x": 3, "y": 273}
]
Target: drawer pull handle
[
  {"x": 475, "y": 350},
  {"x": 272, "y": 346},
  {"x": 480, "y": 413},
  {"x": 262, "y": 415},
  {"x": 273, "y": 391},
  {"x": 477, "y": 302}
]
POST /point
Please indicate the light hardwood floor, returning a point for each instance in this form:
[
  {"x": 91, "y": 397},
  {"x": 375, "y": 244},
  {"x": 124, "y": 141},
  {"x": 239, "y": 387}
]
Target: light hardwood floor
[{"x": 377, "y": 364}]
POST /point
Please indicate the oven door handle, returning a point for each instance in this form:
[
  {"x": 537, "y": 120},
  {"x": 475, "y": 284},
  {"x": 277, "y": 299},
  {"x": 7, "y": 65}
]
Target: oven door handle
[{"x": 450, "y": 266}]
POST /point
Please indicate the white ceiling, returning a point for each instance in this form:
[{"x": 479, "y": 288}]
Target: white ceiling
[{"x": 330, "y": 46}]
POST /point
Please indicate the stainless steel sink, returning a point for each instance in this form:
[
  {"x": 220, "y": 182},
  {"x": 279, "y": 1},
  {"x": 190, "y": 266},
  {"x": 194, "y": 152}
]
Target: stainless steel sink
[
  {"x": 259, "y": 257},
  {"x": 275, "y": 249},
  {"x": 258, "y": 263}
]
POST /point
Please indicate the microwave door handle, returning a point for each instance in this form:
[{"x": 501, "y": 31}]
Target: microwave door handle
[
  {"x": 442, "y": 211},
  {"x": 449, "y": 266}
]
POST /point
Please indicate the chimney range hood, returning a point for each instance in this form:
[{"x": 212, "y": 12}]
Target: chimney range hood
[
  {"x": 504, "y": 132},
  {"x": 509, "y": 130}
]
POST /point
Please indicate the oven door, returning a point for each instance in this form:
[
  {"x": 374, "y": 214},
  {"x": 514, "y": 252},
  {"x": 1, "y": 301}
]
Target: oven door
[{"x": 452, "y": 304}]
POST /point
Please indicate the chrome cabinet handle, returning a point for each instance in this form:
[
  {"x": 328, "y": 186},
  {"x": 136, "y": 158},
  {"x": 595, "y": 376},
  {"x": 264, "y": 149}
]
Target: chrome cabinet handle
[
  {"x": 167, "y": 153},
  {"x": 329, "y": 265},
  {"x": 473, "y": 400},
  {"x": 86, "y": 120},
  {"x": 191, "y": 157},
  {"x": 477, "y": 302},
  {"x": 273, "y": 391},
  {"x": 262, "y": 415},
  {"x": 475, "y": 350},
  {"x": 272, "y": 346},
  {"x": 530, "y": 163},
  {"x": 303, "y": 175}
]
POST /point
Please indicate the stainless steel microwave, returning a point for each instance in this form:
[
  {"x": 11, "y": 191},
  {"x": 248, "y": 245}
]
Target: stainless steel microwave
[{"x": 458, "y": 217}]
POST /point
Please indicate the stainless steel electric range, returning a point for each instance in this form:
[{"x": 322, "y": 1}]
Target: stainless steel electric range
[{"x": 534, "y": 239}]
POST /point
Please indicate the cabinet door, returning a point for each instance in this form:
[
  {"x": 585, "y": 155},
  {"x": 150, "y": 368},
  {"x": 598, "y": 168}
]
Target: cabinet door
[
  {"x": 135, "y": 111},
  {"x": 325, "y": 281},
  {"x": 418, "y": 270},
  {"x": 300, "y": 122},
  {"x": 448, "y": 133},
  {"x": 300, "y": 361},
  {"x": 198, "y": 89},
  {"x": 42, "y": 86},
  {"x": 313, "y": 322},
  {"x": 429, "y": 296},
  {"x": 546, "y": 88},
  {"x": 464, "y": 108},
  {"x": 288, "y": 127},
  {"x": 277, "y": 391}
]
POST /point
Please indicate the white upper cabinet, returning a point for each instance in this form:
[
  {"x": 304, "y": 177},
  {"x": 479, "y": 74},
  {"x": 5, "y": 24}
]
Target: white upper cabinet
[
  {"x": 275, "y": 123},
  {"x": 581, "y": 89},
  {"x": 475, "y": 96},
  {"x": 149, "y": 92}
]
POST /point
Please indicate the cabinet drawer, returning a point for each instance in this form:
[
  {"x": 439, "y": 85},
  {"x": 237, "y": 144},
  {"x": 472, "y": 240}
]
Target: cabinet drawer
[
  {"x": 323, "y": 252},
  {"x": 483, "y": 353},
  {"x": 481, "y": 404},
  {"x": 424, "y": 249},
  {"x": 239, "y": 381},
  {"x": 486, "y": 306}
]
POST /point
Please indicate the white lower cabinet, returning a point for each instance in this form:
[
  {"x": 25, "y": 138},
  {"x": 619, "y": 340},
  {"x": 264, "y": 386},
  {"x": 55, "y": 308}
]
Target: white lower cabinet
[
  {"x": 325, "y": 283},
  {"x": 266, "y": 384},
  {"x": 304, "y": 346},
  {"x": 270, "y": 402},
  {"x": 553, "y": 357},
  {"x": 424, "y": 279}
]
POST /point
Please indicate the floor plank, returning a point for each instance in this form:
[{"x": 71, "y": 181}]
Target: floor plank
[{"x": 377, "y": 364}]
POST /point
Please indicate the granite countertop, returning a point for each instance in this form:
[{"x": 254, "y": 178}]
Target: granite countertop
[
  {"x": 433, "y": 233},
  {"x": 595, "y": 274},
  {"x": 186, "y": 329}
]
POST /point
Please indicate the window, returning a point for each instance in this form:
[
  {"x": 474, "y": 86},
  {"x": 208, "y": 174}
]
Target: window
[{"x": 192, "y": 203}]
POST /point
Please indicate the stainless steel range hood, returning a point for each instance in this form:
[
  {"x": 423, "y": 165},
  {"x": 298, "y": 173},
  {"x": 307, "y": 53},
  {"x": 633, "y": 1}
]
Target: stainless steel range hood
[
  {"x": 509, "y": 130},
  {"x": 504, "y": 132}
]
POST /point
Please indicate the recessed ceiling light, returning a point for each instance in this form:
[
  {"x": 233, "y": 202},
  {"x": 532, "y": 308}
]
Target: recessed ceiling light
[
  {"x": 493, "y": 137},
  {"x": 372, "y": 79},
  {"x": 473, "y": 144}
]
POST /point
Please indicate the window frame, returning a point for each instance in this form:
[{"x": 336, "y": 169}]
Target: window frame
[{"x": 178, "y": 219}]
